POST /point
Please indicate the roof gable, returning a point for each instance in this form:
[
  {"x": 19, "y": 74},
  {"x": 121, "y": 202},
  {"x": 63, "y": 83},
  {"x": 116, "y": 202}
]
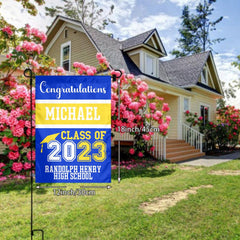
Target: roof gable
[
  {"x": 186, "y": 71},
  {"x": 148, "y": 39}
]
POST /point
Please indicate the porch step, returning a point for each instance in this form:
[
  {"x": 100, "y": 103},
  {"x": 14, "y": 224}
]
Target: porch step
[
  {"x": 179, "y": 150},
  {"x": 185, "y": 157}
]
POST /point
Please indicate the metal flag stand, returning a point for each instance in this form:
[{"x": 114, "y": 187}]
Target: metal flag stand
[
  {"x": 29, "y": 74},
  {"x": 118, "y": 82}
]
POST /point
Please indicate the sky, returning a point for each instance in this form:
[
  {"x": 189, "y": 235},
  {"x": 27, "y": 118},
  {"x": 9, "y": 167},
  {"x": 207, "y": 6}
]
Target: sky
[{"x": 136, "y": 16}]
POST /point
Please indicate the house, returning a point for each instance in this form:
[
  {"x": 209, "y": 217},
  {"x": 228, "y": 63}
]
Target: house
[{"x": 187, "y": 83}]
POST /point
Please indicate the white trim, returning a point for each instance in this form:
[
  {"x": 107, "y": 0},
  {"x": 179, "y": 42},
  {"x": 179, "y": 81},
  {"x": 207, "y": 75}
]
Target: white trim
[
  {"x": 162, "y": 87},
  {"x": 211, "y": 80},
  {"x": 75, "y": 101},
  {"x": 216, "y": 73},
  {"x": 134, "y": 52},
  {"x": 159, "y": 42},
  {"x": 205, "y": 105},
  {"x": 180, "y": 116},
  {"x": 59, "y": 32},
  {"x": 154, "y": 67},
  {"x": 147, "y": 47},
  {"x": 189, "y": 106},
  {"x": 154, "y": 43},
  {"x": 204, "y": 76},
  {"x": 97, "y": 126},
  {"x": 142, "y": 61},
  {"x": 61, "y": 53}
]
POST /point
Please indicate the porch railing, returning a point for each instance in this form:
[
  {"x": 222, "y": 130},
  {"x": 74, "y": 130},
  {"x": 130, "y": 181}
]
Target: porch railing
[
  {"x": 158, "y": 141},
  {"x": 193, "y": 137}
]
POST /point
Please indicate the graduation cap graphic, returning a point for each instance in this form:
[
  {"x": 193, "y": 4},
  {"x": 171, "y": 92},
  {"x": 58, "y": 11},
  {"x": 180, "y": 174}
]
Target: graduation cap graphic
[{"x": 48, "y": 138}]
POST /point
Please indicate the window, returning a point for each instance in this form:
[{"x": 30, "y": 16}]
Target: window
[
  {"x": 150, "y": 65},
  {"x": 186, "y": 104},
  {"x": 65, "y": 33},
  {"x": 66, "y": 55},
  {"x": 204, "y": 77},
  {"x": 204, "y": 111}
]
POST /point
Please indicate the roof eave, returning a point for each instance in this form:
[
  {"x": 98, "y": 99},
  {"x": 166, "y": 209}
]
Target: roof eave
[
  {"x": 144, "y": 46},
  {"x": 219, "y": 95}
]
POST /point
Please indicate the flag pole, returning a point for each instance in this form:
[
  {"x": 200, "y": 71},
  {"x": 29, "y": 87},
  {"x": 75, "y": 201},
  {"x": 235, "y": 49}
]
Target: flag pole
[
  {"x": 119, "y": 153},
  {"x": 29, "y": 74}
]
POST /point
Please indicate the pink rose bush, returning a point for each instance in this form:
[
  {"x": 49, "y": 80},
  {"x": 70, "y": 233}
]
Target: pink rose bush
[
  {"x": 224, "y": 132},
  {"x": 139, "y": 106}
]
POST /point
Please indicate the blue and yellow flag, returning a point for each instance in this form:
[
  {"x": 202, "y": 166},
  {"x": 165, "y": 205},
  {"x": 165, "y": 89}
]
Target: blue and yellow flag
[{"x": 73, "y": 129}]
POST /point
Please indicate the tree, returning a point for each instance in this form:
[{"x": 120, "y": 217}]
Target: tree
[
  {"x": 86, "y": 11},
  {"x": 31, "y": 8},
  {"x": 195, "y": 30}
]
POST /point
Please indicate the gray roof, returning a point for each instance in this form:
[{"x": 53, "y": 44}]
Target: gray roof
[
  {"x": 136, "y": 40},
  {"x": 184, "y": 71}
]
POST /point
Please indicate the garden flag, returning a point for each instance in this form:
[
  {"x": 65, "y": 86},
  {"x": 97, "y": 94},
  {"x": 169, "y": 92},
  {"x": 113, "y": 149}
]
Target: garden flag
[{"x": 73, "y": 129}]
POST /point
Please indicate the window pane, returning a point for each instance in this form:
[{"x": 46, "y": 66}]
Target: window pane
[
  {"x": 186, "y": 104},
  {"x": 66, "y": 53},
  {"x": 149, "y": 65},
  {"x": 204, "y": 113},
  {"x": 66, "y": 65}
]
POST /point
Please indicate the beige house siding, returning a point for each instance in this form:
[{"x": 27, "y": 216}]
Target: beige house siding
[
  {"x": 136, "y": 59},
  {"x": 203, "y": 99},
  {"x": 82, "y": 50},
  {"x": 173, "y": 112},
  {"x": 2, "y": 147},
  {"x": 150, "y": 42}
]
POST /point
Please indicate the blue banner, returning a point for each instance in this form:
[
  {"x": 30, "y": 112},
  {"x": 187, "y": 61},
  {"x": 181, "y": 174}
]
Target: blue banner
[{"x": 73, "y": 129}]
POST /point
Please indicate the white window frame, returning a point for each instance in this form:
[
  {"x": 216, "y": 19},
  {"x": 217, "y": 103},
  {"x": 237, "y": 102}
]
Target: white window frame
[
  {"x": 204, "y": 75},
  {"x": 61, "y": 57},
  {"x": 154, "y": 66},
  {"x": 209, "y": 110},
  {"x": 185, "y": 98}
]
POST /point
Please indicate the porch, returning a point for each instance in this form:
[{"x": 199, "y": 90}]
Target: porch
[{"x": 174, "y": 150}]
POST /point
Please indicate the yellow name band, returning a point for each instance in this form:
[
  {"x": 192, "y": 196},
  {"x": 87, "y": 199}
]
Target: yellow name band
[{"x": 73, "y": 113}]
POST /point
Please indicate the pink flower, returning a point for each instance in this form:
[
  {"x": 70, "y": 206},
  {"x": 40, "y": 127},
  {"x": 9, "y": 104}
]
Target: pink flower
[
  {"x": 168, "y": 119},
  {"x": 2, "y": 165},
  {"x": 134, "y": 105},
  {"x": 165, "y": 107},
  {"x": 187, "y": 112},
  {"x": 152, "y": 148},
  {"x": 17, "y": 166},
  {"x": 13, "y": 155},
  {"x": 152, "y": 106},
  {"x": 27, "y": 166},
  {"x": 17, "y": 131},
  {"x": 130, "y": 76},
  {"x": 9, "y": 55},
  {"x": 200, "y": 118},
  {"x": 131, "y": 151},
  {"x": 151, "y": 95},
  {"x": 7, "y": 141},
  {"x": 140, "y": 154},
  {"x": 8, "y": 31},
  {"x": 3, "y": 178},
  {"x": 61, "y": 70},
  {"x": 142, "y": 87},
  {"x": 90, "y": 72},
  {"x": 146, "y": 137},
  {"x": 14, "y": 148},
  {"x": 19, "y": 177},
  {"x": 163, "y": 127},
  {"x": 29, "y": 155}
]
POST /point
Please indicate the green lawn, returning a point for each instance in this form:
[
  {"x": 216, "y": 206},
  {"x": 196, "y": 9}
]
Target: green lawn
[{"x": 212, "y": 213}]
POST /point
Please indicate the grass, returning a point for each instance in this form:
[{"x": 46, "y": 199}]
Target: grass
[{"x": 212, "y": 213}]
